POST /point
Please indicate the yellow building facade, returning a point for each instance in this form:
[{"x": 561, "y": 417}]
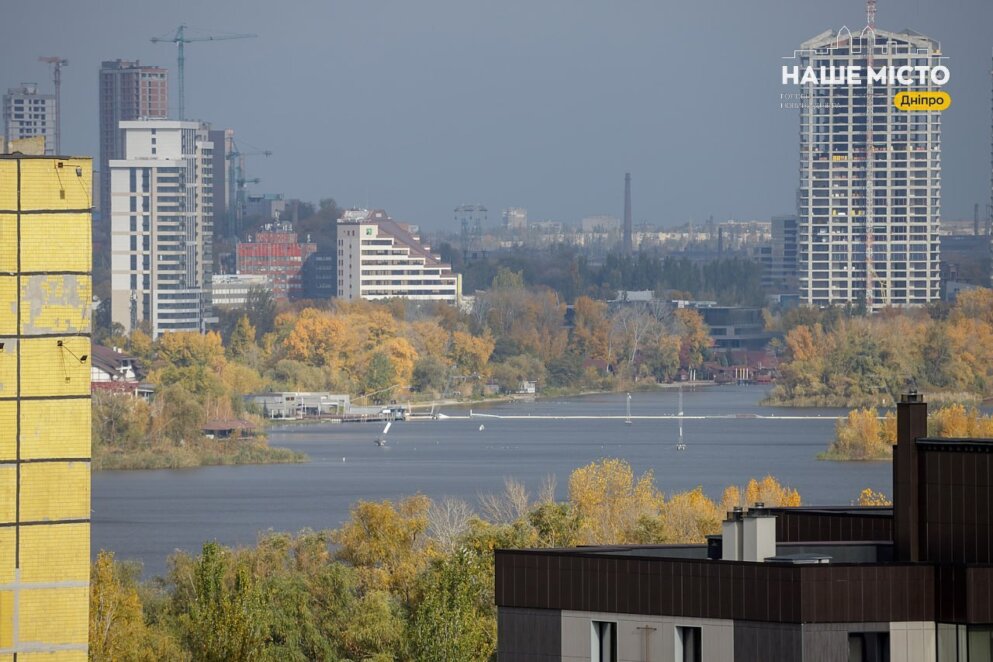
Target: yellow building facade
[{"x": 45, "y": 304}]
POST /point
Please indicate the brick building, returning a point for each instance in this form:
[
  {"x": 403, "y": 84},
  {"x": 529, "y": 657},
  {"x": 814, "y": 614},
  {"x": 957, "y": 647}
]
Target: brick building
[
  {"x": 45, "y": 291},
  {"x": 276, "y": 252}
]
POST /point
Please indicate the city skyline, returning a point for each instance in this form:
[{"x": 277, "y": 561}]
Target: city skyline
[{"x": 559, "y": 148}]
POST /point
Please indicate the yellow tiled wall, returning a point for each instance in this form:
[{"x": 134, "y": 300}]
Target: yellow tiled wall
[{"x": 45, "y": 303}]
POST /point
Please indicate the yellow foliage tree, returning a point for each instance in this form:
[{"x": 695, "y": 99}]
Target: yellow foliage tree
[
  {"x": 386, "y": 542},
  {"x": 869, "y": 497},
  {"x": 689, "y": 517},
  {"x": 609, "y": 501}
]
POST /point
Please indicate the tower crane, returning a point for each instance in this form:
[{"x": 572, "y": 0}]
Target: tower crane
[
  {"x": 180, "y": 39},
  {"x": 236, "y": 173},
  {"x": 57, "y": 64}
]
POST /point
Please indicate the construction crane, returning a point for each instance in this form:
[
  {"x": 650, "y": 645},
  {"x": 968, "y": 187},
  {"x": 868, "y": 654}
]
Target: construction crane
[
  {"x": 237, "y": 176},
  {"x": 180, "y": 39},
  {"x": 57, "y": 64}
]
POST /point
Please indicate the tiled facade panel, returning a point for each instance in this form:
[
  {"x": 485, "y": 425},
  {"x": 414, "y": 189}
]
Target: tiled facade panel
[
  {"x": 53, "y": 184},
  {"x": 56, "y": 303},
  {"x": 53, "y": 615},
  {"x": 55, "y": 553},
  {"x": 8, "y": 242},
  {"x": 55, "y": 491},
  {"x": 8, "y": 304},
  {"x": 8, "y": 185},
  {"x": 8, "y": 430},
  {"x": 8, "y": 368},
  {"x": 54, "y": 428},
  {"x": 45, "y": 302},
  {"x": 8, "y": 493},
  {"x": 52, "y": 370},
  {"x": 51, "y": 242}
]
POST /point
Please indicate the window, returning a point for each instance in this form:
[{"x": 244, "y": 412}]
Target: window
[
  {"x": 688, "y": 640},
  {"x": 868, "y": 647},
  {"x": 603, "y": 641}
]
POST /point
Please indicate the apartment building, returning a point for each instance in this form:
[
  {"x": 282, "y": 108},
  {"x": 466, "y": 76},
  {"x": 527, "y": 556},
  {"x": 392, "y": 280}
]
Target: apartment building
[
  {"x": 29, "y": 114},
  {"x": 869, "y": 207},
  {"x": 276, "y": 253},
  {"x": 379, "y": 258},
  {"x": 128, "y": 90},
  {"x": 162, "y": 226},
  {"x": 45, "y": 293}
]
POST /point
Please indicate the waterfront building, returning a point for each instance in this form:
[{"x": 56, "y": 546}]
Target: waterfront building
[
  {"x": 906, "y": 582},
  {"x": 30, "y": 114},
  {"x": 45, "y": 293},
  {"x": 162, "y": 227},
  {"x": 869, "y": 206},
  {"x": 379, "y": 258},
  {"x": 276, "y": 253}
]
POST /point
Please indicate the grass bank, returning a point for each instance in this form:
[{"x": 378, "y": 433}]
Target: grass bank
[{"x": 200, "y": 453}]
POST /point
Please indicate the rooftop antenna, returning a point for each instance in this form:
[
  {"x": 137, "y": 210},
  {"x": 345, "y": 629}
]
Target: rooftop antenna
[
  {"x": 57, "y": 64},
  {"x": 180, "y": 39}
]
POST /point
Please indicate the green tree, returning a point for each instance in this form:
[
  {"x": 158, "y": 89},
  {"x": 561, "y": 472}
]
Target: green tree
[
  {"x": 260, "y": 306},
  {"x": 430, "y": 375},
  {"x": 242, "y": 339},
  {"x": 379, "y": 376},
  {"x": 227, "y": 619},
  {"x": 454, "y": 619}
]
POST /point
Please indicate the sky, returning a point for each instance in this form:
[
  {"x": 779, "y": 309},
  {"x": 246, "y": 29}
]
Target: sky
[{"x": 417, "y": 106}]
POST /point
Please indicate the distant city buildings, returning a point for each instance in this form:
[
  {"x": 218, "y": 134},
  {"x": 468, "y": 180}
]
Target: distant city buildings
[
  {"x": 233, "y": 290},
  {"x": 162, "y": 226},
  {"x": 225, "y": 190},
  {"x": 379, "y": 258},
  {"x": 128, "y": 91},
  {"x": 29, "y": 114},
  {"x": 607, "y": 224},
  {"x": 276, "y": 253},
  {"x": 870, "y": 177},
  {"x": 782, "y": 273},
  {"x": 267, "y": 206},
  {"x": 471, "y": 219},
  {"x": 515, "y": 219}
]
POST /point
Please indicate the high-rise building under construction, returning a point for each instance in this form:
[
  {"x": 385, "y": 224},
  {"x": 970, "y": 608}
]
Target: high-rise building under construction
[
  {"x": 869, "y": 206},
  {"x": 45, "y": 296}
]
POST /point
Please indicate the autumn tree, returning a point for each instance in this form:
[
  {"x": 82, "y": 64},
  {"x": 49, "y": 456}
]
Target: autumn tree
[{"x": 609, "y": 501}]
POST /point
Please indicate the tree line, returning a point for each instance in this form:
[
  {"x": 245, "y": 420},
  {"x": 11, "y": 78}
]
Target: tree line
[{"x": 401, "y": 580}]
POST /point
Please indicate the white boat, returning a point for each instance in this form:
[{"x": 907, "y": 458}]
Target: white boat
[{"x": 381, "y": 440}]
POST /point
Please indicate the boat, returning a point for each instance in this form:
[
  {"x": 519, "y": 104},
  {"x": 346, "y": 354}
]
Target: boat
[{"x": 381, "y": 440}]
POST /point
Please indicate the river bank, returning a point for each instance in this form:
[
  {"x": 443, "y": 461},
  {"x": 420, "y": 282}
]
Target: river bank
[{"x": 200, "y": 453}]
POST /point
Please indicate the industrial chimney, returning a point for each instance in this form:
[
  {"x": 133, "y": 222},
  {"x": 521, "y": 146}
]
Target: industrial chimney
[{"x": 628, "y": 242}]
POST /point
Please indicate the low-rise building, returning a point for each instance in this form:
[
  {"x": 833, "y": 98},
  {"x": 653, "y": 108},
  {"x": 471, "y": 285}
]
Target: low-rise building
[
  {"x": 907, "y": 582},
  {"x": 232, "y": 290},
  {"x": 292, "y": 404},
  {"x": 380, "y": 258}
]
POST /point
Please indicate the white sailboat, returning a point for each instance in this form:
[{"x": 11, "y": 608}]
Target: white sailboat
[
  {"x": 381, "y": 440},
  {"x": 680, "y": 445}
]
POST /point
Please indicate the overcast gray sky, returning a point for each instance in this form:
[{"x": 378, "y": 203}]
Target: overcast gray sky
[{"x": 417, "y": 106}]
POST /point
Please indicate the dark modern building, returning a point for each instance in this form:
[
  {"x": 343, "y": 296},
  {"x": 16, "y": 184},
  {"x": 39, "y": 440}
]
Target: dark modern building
[{"x": 913, "y": 582}]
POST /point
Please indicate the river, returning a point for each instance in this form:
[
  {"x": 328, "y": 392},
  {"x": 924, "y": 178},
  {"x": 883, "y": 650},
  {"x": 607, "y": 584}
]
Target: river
[{"x": 145, "y": 515}]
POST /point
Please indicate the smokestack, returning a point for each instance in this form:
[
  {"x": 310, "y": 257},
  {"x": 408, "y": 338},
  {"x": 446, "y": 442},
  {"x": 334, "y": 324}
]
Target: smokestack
[
  {"x": 911, "y": 425},
  {"x": 628, "y": 242}
]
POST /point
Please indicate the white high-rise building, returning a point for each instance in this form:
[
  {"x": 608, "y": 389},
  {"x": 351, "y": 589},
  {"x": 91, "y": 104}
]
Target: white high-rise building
[
  {"x": 379, "y": 258},
  {"x": 162, "y": 226},
  {"x": 28, "y": 114},
  {"x": 869, "y": 206}
]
